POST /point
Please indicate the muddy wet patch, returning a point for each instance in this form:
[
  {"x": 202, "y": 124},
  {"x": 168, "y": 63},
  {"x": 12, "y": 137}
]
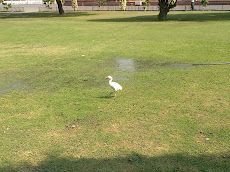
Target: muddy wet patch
[
  {"x": 132, "y": 65},
  {"x": 185, "y": 65},
  {"x": 9, "y": 87},
  {"x": 125, "y": 68},
  {"x": 150, "y": 64},
  {"x": 177, "y": 65}
]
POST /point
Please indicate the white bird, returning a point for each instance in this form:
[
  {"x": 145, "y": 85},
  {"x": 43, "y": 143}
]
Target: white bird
[{"x": 114, "y": 85}]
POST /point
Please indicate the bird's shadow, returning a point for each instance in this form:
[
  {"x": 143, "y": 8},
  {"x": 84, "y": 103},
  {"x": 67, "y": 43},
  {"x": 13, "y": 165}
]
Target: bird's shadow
[{"x": 105, "y": 97}]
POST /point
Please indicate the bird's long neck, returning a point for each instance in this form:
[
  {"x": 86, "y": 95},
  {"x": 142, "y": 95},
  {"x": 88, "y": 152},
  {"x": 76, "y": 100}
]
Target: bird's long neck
[{"x": 110, "y": 81}]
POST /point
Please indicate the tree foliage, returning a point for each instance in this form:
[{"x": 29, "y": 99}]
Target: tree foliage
[
  {"x": 204, "y": 2},
  {"x": 6, "y": 6},
  {"x": 101, "y": 3},
  {"x": 47, "y": 3},
  {"x": 75, "y": 5},
  {"x": 145, "y": 4},
  {"x": 59, "y": 3},
  {"x": 122, "y": 4}
]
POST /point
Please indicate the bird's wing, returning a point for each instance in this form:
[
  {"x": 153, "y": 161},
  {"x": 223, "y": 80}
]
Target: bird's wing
[{"x": 117, "y": 86}]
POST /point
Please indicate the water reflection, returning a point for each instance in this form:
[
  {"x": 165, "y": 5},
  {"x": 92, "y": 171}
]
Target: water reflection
[
  {"x": 124, "y": 69},
  {"x": 125, "y": 64}
]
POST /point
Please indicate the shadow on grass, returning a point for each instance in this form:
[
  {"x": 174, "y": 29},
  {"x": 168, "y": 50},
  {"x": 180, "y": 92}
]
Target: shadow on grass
[
  {"x": 196, "y": 16},
  {"x": 132, "y": 162},
  {"x": 43, "y": 15},
  {"x": 106, "y": 97}
]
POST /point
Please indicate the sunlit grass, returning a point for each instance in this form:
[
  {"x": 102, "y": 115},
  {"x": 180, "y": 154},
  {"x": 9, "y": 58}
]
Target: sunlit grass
[{"x": 56, "y": 112}]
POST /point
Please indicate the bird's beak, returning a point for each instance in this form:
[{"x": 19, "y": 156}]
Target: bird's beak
[{"x": 106, "y": 77}]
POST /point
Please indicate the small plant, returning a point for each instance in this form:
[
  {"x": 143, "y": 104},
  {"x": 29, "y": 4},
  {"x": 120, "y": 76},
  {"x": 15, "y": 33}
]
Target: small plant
[
  {"x": 171, "y": 2},
  {"x": 75, "y": 5},
  {"x": 7, "y": 6},
  {"x": 204, "y": 2},
  {"x": 122, "y": 4},
  {"x": 101, "y": 3},
  {"x": 145, "y": 4},
  {"x": 47, "y": 3}
]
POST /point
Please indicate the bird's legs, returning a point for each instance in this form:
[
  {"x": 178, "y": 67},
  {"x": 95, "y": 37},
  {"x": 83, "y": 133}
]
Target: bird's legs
[{"x": 112, "y": 93}]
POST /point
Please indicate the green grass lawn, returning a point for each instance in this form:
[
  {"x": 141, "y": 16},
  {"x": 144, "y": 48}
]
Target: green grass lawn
[{"x": 55, "y": 110}]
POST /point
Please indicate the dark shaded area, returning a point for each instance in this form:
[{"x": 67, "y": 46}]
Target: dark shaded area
[
  {"x": 206, "y": 16},
  {"x": 190, "y": 65},
  {"x": 43, "y": 15},
  {"x": 106, "y": 97},
  {"x": 150, "y": 64},
  {"x": 198, "y": 64},
  {"x": 132, "y": 162}
]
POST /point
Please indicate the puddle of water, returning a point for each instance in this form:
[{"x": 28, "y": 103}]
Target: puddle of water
[
  {"x": 124, "y": 69},
  {"x": 125, "y": 64},
  {"x": 10, "y": 87}
]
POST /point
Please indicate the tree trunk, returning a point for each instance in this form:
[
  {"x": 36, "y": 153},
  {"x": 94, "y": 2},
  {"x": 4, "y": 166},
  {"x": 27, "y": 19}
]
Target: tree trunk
[
  {"x": 60, "y": 8},
  {"x": 165, "y": 6},
  {"x": 163, "y": 10}
]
